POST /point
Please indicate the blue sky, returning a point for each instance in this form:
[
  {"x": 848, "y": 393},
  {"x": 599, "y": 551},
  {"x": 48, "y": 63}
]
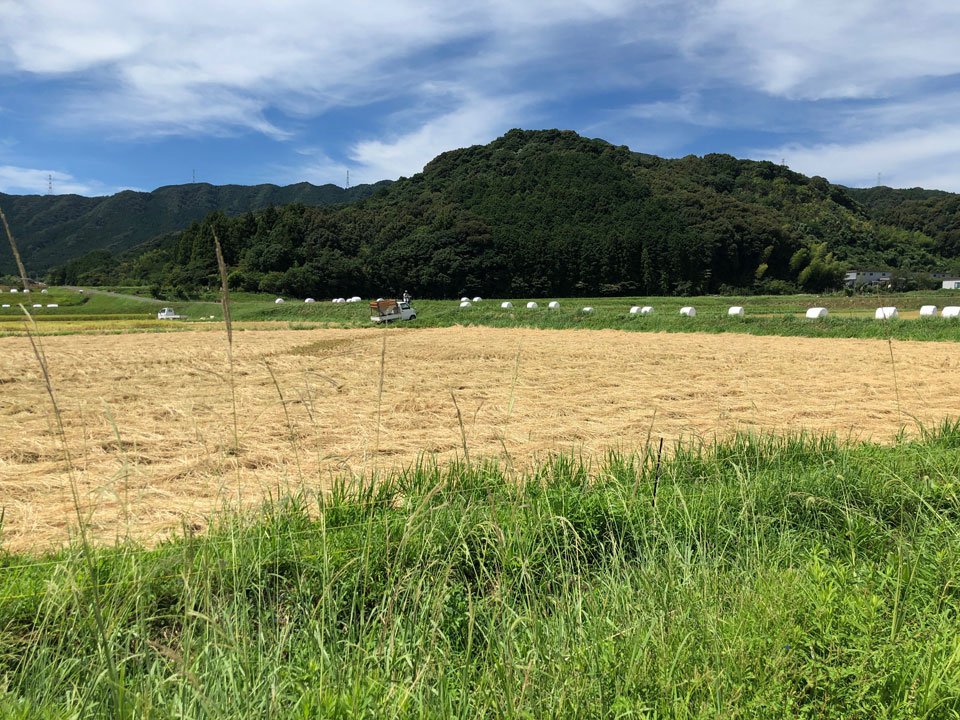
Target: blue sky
[{"x": 115, "y": 94}]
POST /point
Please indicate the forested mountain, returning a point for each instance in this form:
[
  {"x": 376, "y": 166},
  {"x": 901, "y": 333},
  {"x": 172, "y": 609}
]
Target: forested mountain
[
  {"x": 50, "y": 229},
  {"x": 551, "y": 213}
]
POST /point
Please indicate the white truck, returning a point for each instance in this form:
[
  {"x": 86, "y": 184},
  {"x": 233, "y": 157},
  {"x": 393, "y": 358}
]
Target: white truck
[
  {"x": 169, "y": 314},
  {"x": 390, "y": 310}
]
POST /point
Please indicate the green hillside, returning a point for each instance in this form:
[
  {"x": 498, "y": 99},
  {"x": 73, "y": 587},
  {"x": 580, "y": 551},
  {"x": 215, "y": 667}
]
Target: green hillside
[
  {"x": 934, "y": 213},
  {"x": 552, "y": 213},
  {"x": 52, "y": 228}
]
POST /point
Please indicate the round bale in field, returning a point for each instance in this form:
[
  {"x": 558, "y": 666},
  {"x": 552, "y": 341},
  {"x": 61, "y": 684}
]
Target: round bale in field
[
  {"x": 53, "y": 305},
  {"x": 506, "y": 305},
  {"x": 688, "y": 311},
  {"x": 37, "y": 305},
  {"x": 635, "y": 310},
  {"x": 928, "y": 311},
  {"x": 646, "y": 310},
  {"x": 309, "y": 300},
  {"x": 13, "y": 290},
  {"x": 951, "y": 311},
  {"x": 464, "y": 299},
  {"x": 278, "y": 301},
  {"x": 588, "y": 309},
  {"x": 531, "y": 305},
  {"x": 554, "y": 305},
  {"x": 735, "y": 310},
  {"x": 886, "y": 313},
  {"x": 465, "y": 303},
  {"x": 478, "y": 299},
  {"x": 6, "y": 304},
  {"x": 44, "y": 291},
  {"x": 816, "y": 313}
]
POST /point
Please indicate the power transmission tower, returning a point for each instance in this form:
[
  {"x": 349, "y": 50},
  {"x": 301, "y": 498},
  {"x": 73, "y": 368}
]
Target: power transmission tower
[
  {"x": 49, "y": 183},
  {"x": 348, "y": 179}
]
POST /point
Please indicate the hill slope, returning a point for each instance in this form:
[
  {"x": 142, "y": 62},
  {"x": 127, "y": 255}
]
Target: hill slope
[
  {"x": 53, "y": 228},
  {"x": 551, "y": 213},
  {"x": 934, "y": 213}
]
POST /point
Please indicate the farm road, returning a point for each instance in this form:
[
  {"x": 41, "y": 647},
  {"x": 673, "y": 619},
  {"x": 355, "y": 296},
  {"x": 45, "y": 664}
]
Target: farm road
[{"x": 92, "y": 291}]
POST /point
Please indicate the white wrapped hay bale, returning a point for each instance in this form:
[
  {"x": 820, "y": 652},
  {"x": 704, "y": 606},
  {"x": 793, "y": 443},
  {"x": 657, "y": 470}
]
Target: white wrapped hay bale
[
  {"x": 816, "y": 313},
  {"x": 53, "y": 305},
  {"x": 635, "y": 310},
  {"x": 886, "y": 313},
  {"x": 478, "y": 299},
  {"x": 506, "y": 305},
  {"x": 6, "y": 304},
  {"x": 464, "y": 299},
  {"x": 646, "y": 310},
  {"x": 928, "y": 311},
  {"x": 951, "y": 311},
  {"x": 13, "y": 290},
  {"x": 278, "y": 301},
  {"x": 309, "y": 300},
  {"x": 587, "y": 309},
  {"x": 688, "y": 311},
  {"x": 554, "y": 305},
  {"x": 735, "y": 310},
  {"x": 531, "y": 306},
  {"x": 465, "y": 303},
  {"x": 36, "y": 305},
  {"x": 43, "y": 292}
]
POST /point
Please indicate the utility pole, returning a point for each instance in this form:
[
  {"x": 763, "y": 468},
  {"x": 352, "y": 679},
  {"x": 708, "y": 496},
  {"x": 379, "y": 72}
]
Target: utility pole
[
  {"x": 348, "y": 179},
  {"x": 49, "y": 183},
  {"x": 194, "y": 175}
]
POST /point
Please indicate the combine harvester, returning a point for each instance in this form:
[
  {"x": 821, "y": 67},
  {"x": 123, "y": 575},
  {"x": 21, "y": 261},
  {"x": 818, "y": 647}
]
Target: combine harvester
[{"x": 387, "y": 311}]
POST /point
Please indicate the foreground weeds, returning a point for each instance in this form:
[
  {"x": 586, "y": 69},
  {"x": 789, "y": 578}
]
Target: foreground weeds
[{"x": 760, "y": 577}]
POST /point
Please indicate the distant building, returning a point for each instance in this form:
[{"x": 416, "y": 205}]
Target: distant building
[
  {"x": 951, "y": 284},
  {"x": 854, "y": 278}
]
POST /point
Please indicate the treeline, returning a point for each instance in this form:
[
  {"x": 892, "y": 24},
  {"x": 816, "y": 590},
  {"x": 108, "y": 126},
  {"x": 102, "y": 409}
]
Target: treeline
[{"x": 548, "y": 213}]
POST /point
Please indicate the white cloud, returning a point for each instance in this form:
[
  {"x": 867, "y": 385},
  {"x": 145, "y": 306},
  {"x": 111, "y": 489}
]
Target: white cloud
[
  {"x": 814, "y": 49},
  {"x": 474, "y": 120},
  {"x": 31, "y": 181},
  {"x": 927, "y": 157},
  {"x": 477, "y": 120},
  {"x": 192, "y": 67}
]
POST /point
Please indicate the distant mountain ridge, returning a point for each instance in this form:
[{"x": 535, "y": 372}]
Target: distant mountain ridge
[{"x": 53, "y": 229}]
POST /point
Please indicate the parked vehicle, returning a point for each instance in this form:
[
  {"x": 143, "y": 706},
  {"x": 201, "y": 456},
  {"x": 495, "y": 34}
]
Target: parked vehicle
[
  {"x": 391, "y": 310},
  {"x": 169, "y": 314}
]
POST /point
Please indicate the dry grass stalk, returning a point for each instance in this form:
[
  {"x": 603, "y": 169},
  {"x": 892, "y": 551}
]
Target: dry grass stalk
[
  {"x": 225, "y": 302},
  {"x": 16, "y": 253}
]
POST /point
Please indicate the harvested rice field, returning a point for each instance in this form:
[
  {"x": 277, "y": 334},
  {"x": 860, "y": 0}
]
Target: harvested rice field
[{"x": 149, "y": 419}]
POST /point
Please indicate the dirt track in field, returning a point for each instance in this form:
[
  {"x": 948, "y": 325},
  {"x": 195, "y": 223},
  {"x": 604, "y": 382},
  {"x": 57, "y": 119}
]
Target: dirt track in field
[{"x": 167, "y": 398}]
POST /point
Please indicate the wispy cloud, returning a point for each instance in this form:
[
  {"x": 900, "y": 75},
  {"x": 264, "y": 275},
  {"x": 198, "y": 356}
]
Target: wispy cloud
[
  {"x": 32, "y": 181},
  {"x": 430, "y": 75},
  {"x": 816, "y": 49},
  {"x": 925, "y": 157}
]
